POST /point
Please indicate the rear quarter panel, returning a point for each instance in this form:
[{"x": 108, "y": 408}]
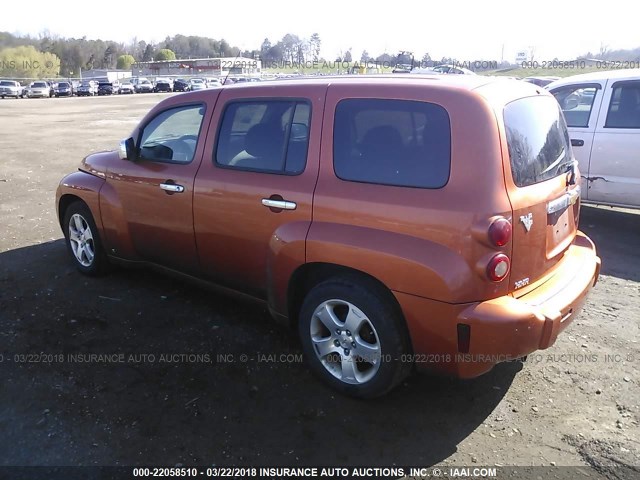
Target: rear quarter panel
[{"x": 417, "y": 241}]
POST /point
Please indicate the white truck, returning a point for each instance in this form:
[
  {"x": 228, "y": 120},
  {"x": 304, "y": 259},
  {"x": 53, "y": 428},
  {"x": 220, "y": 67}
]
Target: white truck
[
  {"x": 602, "y": 111},
  {"x": 11, "y": 88}
]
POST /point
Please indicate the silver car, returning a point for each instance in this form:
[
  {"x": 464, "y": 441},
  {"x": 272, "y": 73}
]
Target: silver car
[
  {"x": 39, "y": 89},
  {"x": 197, "y": 84},
  {"x": 143, "y": 86},
  {"x": 126, "y": 88}
]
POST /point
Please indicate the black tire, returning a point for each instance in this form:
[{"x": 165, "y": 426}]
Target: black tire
[
  {"x": 388, "y": 334},
  {"x": 97, "y": 265}
]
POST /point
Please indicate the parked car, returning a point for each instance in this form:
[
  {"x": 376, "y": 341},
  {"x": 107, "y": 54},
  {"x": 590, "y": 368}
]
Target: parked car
[
  {"x": 541, "y": 81},
  {"x": 126, "y": 88},
  {"x": 163, "y": 85},
  {"x": 87, "y": 88},
  {"x": 354, "y": 209},
  {"x": 52, "y": 88},
  {"x": 180, "y": 85},
  {"x": 105, "y": 88},
  {"x": 197, "y": 84},
  {"x": 63, "y": 89},
  {"x": 443, "y": 69},
  {"x": 11, "y": 88},
  {"x": 212, "y": 83},
  {"x": 38, "y": 89},
  {"x": 143, "y": 86},
  {"x": 602, "y": 110}
]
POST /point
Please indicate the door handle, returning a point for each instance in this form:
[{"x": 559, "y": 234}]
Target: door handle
[
  {"x": 172, "y": 188},
  {"x": 576, "y": 142},
  {"x": 279, "y": 204},
  {"x": 566, "y": 200}
]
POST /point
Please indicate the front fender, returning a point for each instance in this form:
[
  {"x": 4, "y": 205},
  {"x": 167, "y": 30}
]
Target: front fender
[{"x": 83, "y": 186}]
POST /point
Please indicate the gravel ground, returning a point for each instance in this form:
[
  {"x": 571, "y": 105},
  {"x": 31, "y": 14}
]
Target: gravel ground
[{"x": 171, "y": 385}]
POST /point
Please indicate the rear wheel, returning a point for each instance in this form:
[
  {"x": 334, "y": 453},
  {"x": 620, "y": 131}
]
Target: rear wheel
[
  {"x": 83, "y": 240},
  {"x": 354, "y": 337}
]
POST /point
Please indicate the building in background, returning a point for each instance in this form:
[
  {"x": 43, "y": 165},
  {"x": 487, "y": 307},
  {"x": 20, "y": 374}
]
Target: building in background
[
  {"x": 112, "y": 75},
  {"x": 194, "y": 67}
]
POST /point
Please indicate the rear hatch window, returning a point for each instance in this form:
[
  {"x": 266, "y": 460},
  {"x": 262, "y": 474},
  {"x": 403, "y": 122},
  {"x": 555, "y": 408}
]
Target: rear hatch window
[
  {"x": 545, "y": 201},
  {"x": 538, "y": 140}
]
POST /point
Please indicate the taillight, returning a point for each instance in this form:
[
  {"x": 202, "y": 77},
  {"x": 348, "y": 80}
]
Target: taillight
[
  {"x": 498, "y": 267},
  {"x": 500, "y": 232}
]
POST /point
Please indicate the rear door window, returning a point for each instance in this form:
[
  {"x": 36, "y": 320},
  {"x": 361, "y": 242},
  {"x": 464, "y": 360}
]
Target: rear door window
[
  {"x": 538, "y": 140},
  {"x": 392, "y": 142},
  {"x": 624, "y": 108}
]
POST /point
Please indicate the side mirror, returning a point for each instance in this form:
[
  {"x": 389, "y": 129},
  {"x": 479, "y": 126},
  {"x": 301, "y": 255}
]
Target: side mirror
[{"x": 127, "y": 150}]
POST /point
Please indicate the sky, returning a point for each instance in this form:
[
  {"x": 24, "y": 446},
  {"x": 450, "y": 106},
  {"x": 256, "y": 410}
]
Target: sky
[{"x": 464, "y": 30}]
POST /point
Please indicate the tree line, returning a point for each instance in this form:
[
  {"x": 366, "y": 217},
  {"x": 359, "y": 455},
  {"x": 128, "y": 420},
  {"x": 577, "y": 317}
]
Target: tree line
[{"x": 48, "y": 55}]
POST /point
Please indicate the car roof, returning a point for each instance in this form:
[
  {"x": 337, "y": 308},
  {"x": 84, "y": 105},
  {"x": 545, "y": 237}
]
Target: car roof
[
  {"x": 622, "y": 74},
  {"x": 466, "y": 82}
]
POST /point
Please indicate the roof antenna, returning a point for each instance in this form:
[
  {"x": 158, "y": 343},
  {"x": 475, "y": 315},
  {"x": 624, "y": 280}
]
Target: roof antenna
[{"x": 234, "y": 63}]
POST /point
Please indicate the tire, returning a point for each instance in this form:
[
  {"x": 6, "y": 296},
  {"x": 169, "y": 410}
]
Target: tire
[
  {"x": 359, "y": 350},
  {"x": 83, "y": 240}
]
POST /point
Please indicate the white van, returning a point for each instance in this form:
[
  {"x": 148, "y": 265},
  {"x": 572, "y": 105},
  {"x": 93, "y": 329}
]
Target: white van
[{"x": 602, "y": 110}]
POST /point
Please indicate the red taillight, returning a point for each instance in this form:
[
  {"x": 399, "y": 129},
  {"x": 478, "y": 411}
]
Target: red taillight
[
  {"x": 498, "y": 267},
  {"x": 500, "y": 232}
]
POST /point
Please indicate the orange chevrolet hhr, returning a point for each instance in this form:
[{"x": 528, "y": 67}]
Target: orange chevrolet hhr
[{"x": 395, "y": 221}]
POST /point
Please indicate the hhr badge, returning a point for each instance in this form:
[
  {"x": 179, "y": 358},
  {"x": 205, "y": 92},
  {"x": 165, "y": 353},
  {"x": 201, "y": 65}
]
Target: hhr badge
[{"x": 527, "y": 220}]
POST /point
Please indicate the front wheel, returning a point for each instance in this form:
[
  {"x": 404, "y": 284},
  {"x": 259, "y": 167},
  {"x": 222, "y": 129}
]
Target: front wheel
[
  {"x": 83, "y": 240},
  {"x": 354, "y": 336}
]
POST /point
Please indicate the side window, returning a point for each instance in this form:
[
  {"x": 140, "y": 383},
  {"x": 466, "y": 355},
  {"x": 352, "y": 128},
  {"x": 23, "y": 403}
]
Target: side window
[
  {"x": 392, "y": 142},
  {"x": 624, "y": 107},
  {"x": 576, "y": 102},
  {"x": 268, "y": 136},
  {"x": 172, "y": 135}
]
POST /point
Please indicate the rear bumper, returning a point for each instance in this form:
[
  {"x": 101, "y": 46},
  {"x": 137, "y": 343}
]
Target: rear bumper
[{"x": 505, "y": 328}]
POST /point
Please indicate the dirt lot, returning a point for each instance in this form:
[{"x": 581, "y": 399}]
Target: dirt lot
[{"x": 576, "y": 404}]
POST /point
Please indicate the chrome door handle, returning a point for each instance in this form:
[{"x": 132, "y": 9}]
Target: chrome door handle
[
  {"x": 564, "y": 201},
  {"x": 172, "y": 187},
  {"x": 281, "y": 204}
]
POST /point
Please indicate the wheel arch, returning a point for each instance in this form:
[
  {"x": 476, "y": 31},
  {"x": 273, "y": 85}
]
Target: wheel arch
[
  {"x": 63, "y": 204},
  {"x": 80, "y": 186},
  {"x": 308, "y": 275}
]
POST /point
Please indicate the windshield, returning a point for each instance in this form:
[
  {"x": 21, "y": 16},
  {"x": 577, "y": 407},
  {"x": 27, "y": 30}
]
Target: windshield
[
  {"x": 538, "y": 140},
  {"x": 39, "y": 85}
]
